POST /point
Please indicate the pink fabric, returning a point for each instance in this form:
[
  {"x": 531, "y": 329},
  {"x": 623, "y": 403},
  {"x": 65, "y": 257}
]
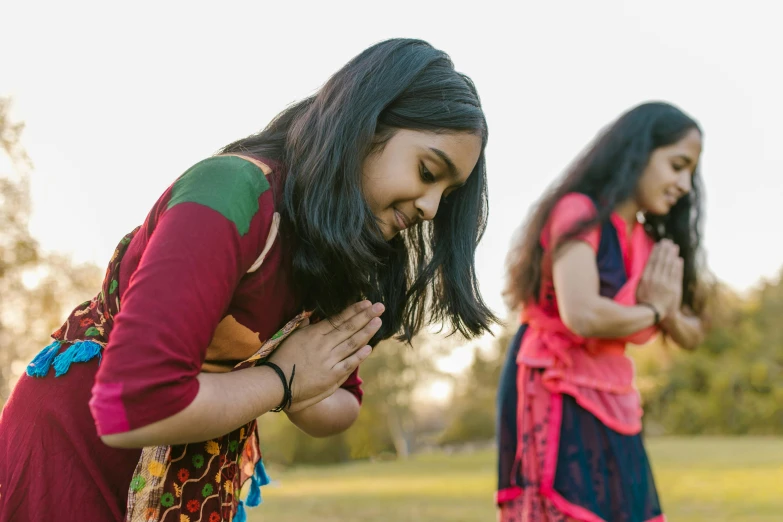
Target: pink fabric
[
  {"x": 596, "y": 372},
  {"x": 527, "y": 503},
  {"x": 571, "y": 210},
  {"x": 507, "y": 494},
  {"x": 540, "y": 416}
]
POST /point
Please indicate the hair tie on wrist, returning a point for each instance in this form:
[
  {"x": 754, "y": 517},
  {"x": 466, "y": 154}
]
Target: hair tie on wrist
[
  {"x": 288, "y": 397},
  {"x": 655, "y": 311}
]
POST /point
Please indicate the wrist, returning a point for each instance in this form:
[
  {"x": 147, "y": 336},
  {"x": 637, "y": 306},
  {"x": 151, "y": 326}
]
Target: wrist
[
  {"x": 670, "y": 319},
  {"x": 656, "y": 311},
  {"x": 277, "y": 388},
  {"x": 288, "y": 396}
]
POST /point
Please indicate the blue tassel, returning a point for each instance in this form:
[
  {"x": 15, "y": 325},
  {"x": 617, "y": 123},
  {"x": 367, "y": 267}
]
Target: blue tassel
[
  {"x": 80, "y": 351},
  {"x": 261, "y": 474},
  {"x": 254, "y": 496},
  {"x": 241, "y": 516},
  {"x": 39, "y": 366},
  {"x": 259, "y": 478}
]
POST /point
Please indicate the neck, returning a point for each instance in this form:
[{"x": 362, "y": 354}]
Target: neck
[{"x": 628, "y": 210}]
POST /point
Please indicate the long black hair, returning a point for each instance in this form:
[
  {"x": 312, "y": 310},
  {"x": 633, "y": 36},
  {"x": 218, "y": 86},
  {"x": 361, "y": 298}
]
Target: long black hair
[
  {"x": 426, "y": 273},
  {"x": 608, "y": 172}
]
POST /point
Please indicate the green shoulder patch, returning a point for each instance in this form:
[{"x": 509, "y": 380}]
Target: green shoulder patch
[{"x": 227, "y": 184}]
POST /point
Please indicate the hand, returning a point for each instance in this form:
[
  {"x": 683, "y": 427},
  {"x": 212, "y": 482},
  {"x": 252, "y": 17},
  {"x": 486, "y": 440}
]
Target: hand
[
  {"x": 661, "y": 283},
  {"x": 326, "y": 353}
]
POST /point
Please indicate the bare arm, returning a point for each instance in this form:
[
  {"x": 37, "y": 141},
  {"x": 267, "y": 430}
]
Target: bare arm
[
  {"x": 685, "y": 329},
  {"x": 331, "y": 416},
  {"x": 325, "y": 354},
  {"x": 224, "y": 402},
  {"x": 583, "y": 310}
]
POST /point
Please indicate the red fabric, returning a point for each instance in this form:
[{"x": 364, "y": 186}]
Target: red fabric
[
  {"x": 182, "y": 274},
  {"x": 160, "y": 338},
  {"x": 53, "y": 465},
  {"x": 354, "y": 385}
]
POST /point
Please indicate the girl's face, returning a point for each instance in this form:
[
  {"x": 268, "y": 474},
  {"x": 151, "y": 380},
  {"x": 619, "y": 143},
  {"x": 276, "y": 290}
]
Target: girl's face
[
  {"x": 668, "y": 174},
  {"x": 405, "y": 180}
]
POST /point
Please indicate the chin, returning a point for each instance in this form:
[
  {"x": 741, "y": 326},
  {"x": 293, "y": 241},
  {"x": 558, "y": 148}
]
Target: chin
[
  {"x": 389, "y": 233},
  {"x": 661, "y": 209}
]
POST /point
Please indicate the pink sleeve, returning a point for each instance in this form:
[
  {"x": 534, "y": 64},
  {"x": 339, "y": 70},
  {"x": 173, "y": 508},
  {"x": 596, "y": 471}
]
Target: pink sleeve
[
  {"x": 175, "y": 299},
  {"x": 571, "y": 210},
  {"x": 354, "y": 385}
]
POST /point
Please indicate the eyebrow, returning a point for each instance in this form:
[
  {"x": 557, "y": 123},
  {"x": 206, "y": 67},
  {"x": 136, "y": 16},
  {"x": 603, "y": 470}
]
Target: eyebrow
[
  {"x": 687, "y": 159},
  {"x": 453, "y": 172}
]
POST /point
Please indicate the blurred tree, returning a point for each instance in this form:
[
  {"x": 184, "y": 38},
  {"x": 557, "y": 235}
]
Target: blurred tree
[
  {"x": 733, "y": 383},
  {"x": 473, "y": 403},
  {"x": 37, "y": 290}
]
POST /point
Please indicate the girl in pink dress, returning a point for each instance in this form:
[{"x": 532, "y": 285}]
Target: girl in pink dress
[{"x": 609, "y": 256}]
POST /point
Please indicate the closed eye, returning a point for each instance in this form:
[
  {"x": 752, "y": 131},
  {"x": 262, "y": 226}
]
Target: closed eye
[
  {"x": 426, "y": 175},
  {"x": 681, "y": 162}
]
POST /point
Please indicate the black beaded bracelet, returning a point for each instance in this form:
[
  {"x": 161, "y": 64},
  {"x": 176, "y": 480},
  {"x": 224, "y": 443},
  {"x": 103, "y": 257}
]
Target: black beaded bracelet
[
  {"x": 288, "y": 397},
  {"x": 655, "y": 311}
]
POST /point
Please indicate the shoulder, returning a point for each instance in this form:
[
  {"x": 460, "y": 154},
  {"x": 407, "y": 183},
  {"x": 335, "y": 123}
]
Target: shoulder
[
  {"x": 567, "y": 214},
  {"x": 232, "y": 186},
  {"x": 573, "y": 206}
]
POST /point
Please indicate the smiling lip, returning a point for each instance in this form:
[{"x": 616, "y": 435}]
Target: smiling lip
[{"x": 402, "y": 219}]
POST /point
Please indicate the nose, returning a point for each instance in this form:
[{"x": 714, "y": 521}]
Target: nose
[
  {"x": 684, "y": 182},
  {"x": 427, "y": 204}
]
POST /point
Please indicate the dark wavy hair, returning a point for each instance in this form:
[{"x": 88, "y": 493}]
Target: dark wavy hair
[
  {"x": 427, "y": 272},
  {"x": 608, "y": 172}
]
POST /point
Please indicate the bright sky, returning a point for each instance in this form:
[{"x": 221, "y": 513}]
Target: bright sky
[{"x": 121, "y": 99}]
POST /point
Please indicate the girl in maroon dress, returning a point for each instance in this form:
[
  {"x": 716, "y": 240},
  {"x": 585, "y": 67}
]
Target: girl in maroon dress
[{"x": 362, "y": 204}]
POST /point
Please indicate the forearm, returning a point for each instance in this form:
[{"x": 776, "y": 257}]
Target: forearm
[
  {"x": 331, "y": 416},
  {"x": 685, "y": 330},
  {"x": 604, "y": 318},
  {"x": 583, "y": 310},
  {"x": 225, "y": 401}
]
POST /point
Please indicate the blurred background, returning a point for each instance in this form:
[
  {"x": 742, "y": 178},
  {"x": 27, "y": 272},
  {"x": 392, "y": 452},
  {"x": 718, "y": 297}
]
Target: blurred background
[{"x": 93, "y": 93}]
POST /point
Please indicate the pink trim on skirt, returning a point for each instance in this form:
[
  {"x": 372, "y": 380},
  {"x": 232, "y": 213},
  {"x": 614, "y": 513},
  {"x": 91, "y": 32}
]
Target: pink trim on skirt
[
  {"x": 530, "y": 505},
  {"x": 540, "y": 416}
]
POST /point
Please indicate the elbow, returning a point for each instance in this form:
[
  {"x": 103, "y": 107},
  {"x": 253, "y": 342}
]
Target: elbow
[
  {"x": 326, "y": 422},
  {"x": 323, "y": 430},
  {"x": 581, "y": 323},
  {"x": 121, "y": 441},
  {"x": 323, "y": 433}
]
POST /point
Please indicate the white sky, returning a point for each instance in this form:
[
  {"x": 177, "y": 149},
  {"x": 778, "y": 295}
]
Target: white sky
[{"x": 118, "y": 101}]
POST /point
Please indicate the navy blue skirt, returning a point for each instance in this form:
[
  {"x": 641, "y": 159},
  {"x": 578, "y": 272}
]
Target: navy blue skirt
[{"x": 558, "y": 456}]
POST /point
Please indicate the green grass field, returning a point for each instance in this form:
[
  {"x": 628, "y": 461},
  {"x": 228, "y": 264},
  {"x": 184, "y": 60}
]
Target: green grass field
[{"x": 699, "y": 479}]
